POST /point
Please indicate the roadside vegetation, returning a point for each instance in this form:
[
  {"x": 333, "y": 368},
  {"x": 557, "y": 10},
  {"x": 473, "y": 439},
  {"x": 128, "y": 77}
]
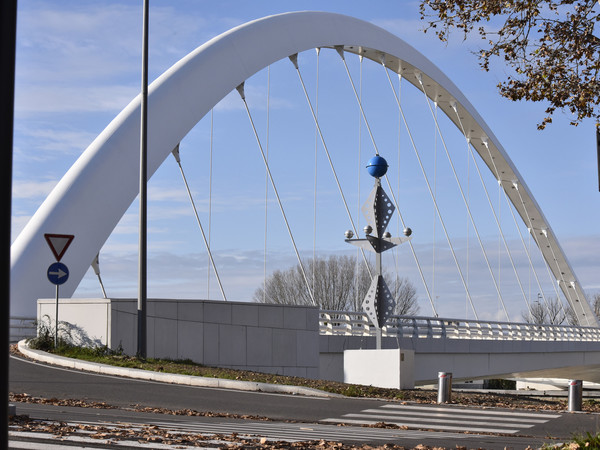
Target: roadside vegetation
[
  {"x": 104, "y": 355},
  {"x": 589, "y": 441}
]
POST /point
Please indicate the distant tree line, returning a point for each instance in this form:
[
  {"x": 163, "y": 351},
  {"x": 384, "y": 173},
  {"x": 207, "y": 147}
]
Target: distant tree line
[
  {"x": 338, "y": 283},
  {"x": 555, "y": 313}
]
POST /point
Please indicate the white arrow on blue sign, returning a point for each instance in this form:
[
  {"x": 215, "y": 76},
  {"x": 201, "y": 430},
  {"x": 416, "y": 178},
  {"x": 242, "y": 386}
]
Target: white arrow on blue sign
[{"x": 58, "y": 273}]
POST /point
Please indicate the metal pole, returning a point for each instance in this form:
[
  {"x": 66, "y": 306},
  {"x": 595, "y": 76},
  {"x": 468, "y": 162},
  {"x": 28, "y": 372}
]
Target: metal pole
[
  {"x": 56, "y": 321},
  {"x": 8, "y": 37},
  {"x": 142, "y": 263},
  {"x": 378, "y": 338}
]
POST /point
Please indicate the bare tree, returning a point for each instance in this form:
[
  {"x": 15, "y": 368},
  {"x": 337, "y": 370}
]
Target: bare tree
[
  {"x": 339, "y": 283},
  {"x": 405, "y": 294},
  {"x": 596, "y": 304},
  {"x": 553, "y": 313}
]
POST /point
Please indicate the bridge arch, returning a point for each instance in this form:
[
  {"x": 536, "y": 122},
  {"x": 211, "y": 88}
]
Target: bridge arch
[{"x": 91, "y": 198}]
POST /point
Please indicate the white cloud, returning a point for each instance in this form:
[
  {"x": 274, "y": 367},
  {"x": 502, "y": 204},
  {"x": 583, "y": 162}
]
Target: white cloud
[
  {"x": 53, "y": 141},
  {"x": 32, "y": 189},
  {"x": 68, "y": 99}
]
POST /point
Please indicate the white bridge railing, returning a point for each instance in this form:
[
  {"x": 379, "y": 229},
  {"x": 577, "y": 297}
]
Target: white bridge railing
[{"x": 418, "y": 327}]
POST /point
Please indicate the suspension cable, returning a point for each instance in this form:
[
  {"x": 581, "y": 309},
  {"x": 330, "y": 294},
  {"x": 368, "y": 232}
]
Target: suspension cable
[
  {"x": 539, "y": 244},
  {"x": 267, "y": 186},
  {"x": 435, "y": 159},
  {"x": 294, "y": 59},
  {"x": 433, "y": 199},
  {"x": 357, "y": 299},
  {"x": 498, "y": 224},
  {"x": 340, "y": 50},
  {"x": 240, "y": 90},
  {"x": 527, "y": 252},
  {"x": 562, "y": 278},
  {"x": 210, "y": 185},
  {"x": 468, "y": 227},
  {"x": 314, "y": 265},
  {"x": 395, "y": 251},
  {"x": 412, "y": 248},
  {"x": 531, "y": 232},
  {"x": 341, "y": 53},
  {"x": 400, "y": 217},
  {"x": 177, "y": 157},
  {"x": 443, "y": 141}
]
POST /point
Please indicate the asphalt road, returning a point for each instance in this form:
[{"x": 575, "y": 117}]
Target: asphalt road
[{"x": 46, "y": 381}]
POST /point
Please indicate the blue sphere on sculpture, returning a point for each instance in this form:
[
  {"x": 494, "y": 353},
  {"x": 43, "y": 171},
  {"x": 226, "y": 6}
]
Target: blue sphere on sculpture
[{"x": 377, "y": 166}]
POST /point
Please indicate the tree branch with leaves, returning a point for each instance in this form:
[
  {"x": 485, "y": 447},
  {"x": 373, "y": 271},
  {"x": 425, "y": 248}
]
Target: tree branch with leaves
[{"x": 552, "y": 47}]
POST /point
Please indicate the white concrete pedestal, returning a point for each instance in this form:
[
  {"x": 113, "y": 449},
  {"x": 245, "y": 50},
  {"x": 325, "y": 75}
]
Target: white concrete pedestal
[{"x": 389, "y": 368}]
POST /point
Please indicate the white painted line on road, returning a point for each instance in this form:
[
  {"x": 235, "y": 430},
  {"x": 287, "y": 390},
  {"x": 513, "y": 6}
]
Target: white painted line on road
[
  {"x": 419, "y": 415},
  {"x": 474, "y": 411},
  {"x": 424, "y": 421},
  {"x": 425, "y": 425},
  {"x": 327, "y": 432}
]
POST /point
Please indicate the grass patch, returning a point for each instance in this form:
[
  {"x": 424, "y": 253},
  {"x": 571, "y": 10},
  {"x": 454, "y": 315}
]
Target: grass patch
[{"x": 104, "y": 355}]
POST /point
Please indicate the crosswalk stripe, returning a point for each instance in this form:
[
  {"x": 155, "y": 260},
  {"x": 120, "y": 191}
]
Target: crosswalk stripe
[
  {"x": 314, "y": 432},
  {"x": 279, "y": 431},
  {"x": 418, "y": 420},
  {"x": 289, "y": 431},
  {"x": 447, "y": 418},
  {"x": 486, "y": 412},
  {"x": 431, "y": 426},
  {"x": 456, "y": 415}
]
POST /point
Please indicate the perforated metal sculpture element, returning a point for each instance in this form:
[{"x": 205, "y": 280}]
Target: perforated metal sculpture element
[
  {"x": 378, "y": 209},
  {"x": 379, "y": 304}
]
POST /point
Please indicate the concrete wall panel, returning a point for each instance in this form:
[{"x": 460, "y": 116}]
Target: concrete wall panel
[{"x": 272, "y": 338}]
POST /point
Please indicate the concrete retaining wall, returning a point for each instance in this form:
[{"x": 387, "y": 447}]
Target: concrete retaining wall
[{"x": 251, "y": 336}]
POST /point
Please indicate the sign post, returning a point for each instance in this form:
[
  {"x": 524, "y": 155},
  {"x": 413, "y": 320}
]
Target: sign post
[{"x": 58, "y": 273}]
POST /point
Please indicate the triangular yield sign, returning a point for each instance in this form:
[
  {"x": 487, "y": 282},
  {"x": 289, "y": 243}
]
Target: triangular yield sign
[{"x": 58, "y": 243}]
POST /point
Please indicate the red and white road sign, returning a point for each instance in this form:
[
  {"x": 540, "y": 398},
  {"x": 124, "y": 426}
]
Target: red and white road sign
[{"x": 58, "y": 243}]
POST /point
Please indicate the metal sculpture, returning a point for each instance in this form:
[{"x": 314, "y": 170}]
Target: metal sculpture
[{"x": 379, "y": 304}]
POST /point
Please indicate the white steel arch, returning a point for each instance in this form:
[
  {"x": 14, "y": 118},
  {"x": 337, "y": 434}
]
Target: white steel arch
[{"x": 94, "y": 194}]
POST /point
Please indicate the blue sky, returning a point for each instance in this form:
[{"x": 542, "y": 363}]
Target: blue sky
[{"x": 78, "y": 65}]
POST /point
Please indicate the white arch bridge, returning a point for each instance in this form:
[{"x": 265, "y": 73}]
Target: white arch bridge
[{"x": 96, "y": 192}]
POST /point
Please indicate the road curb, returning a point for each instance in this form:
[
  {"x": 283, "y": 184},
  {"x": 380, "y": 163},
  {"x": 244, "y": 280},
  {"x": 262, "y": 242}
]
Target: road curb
[{"x": 187, "y": 380}]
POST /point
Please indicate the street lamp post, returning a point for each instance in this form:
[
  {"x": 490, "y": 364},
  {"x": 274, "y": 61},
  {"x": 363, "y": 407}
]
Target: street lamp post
[{"x": 142, "y": 263}]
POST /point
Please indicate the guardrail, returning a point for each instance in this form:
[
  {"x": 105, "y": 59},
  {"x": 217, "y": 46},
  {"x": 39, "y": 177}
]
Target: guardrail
[
  {"x": 419, "y": 327},
  {"x": 22, "y": 328}
]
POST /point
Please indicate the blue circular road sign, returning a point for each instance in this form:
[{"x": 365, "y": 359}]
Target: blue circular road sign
[{"x": 58, "y": 273}]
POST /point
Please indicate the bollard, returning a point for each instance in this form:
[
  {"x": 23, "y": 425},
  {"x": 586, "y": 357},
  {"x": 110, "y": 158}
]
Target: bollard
[
  {"x": 444, "y": 387},
  {"x": 575, "y": 395}
]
